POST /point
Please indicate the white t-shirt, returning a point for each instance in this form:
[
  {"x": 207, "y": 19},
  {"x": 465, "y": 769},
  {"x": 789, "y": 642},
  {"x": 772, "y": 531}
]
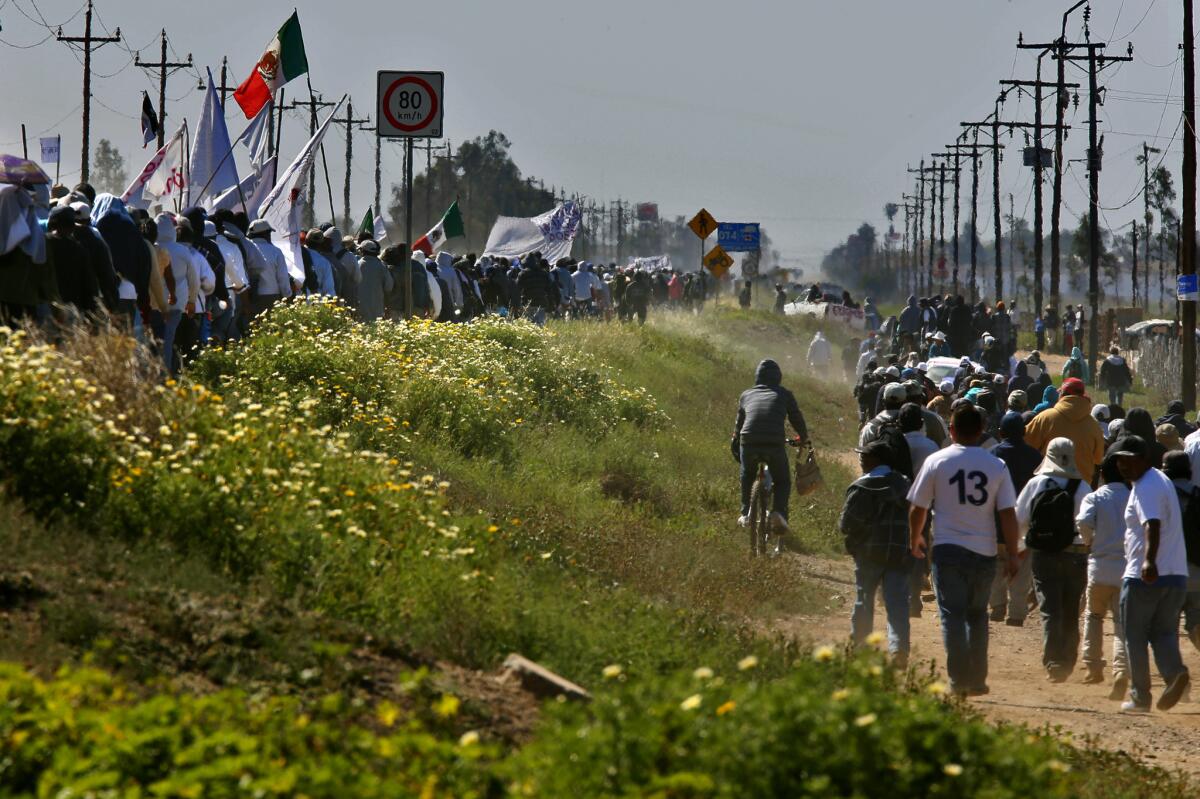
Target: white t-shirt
[
  {"x": 1037, "y": 485},
  {"x": 964, "y": 486},
  {"x": 1154, "y": 497},
  {"x": 920, "y": 447},
  {"x": 1191, "y": 445}
]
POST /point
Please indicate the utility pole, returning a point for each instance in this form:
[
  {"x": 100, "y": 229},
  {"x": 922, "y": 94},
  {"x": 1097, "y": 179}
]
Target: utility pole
[
  {"x": 313, "y": 103},
  {"x": 165, "y": 68},
  {"x": 224, "y": 88},
  {"x": 1146, "y": 150},
  {"x": 956, "y": 169},
  {"x": 918, "y": 236},
  {"x": 89, "y": 44},
  {"x": 1096, "y": 61},
  {"x": 929, "y": 174},
  {"x": 1134, "y": 274},
  {"x": 973, "y": 151},
  {"x": 350, "y": 122},
  {"x": 1188, "y": 245},
  {"x": 1038, "y": 165},
  {"x": 1012, "y": 243}
]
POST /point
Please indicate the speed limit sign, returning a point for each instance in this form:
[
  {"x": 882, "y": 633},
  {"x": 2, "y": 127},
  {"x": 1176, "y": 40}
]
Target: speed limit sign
[{"x": 410, "y": 105}]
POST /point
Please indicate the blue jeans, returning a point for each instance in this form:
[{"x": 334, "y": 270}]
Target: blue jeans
[
  {"x": 775, "y": 456},
  {"x": 1191, "y": 604},
  {"x": 962, "y": 582},
  {"x": 868, "y": 577},
  {"x": 1059, "y": 578},
  {"x": 1116, "y": 396},
  {"x": 1151, "y": 615},
  {"x": 170, "y": 325}
]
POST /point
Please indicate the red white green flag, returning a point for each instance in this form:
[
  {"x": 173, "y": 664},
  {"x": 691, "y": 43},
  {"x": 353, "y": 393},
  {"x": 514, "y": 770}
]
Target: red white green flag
[
  {"x": 283, "y": 60},
  {"x": 450, "y": 227}
]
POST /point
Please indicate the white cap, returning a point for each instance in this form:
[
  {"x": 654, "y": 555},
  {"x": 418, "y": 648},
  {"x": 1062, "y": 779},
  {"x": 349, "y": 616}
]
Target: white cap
[{"x": 259, "y": 226}]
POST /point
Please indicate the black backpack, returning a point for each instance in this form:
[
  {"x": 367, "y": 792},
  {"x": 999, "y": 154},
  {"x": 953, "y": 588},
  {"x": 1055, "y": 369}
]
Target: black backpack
[
  {"x": 1052, "y": 518},
  {"x": 891, "y": 434},
  {"x": 1189, "y": 505}
]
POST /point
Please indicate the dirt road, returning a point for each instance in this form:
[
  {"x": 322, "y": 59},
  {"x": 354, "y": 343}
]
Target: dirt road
[{"x": 1020, "y": 692}]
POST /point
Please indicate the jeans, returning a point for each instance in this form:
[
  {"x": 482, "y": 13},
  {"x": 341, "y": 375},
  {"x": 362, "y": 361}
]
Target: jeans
[
  {"x": 1191, "y": 603},
  {"x": 775, "y": 456},
  {"x": 170, "y": 325},
  {"x": 962, "y": 580},
  {"x": 1012, "y": 599},
  {"x": 1060, "y": 579},
  {"x": 1116, "y": 396},
  {"x": 868, "y": 577},
  {"x": 1151, "y": 615},
  {"x": 1102, "y": 599}
]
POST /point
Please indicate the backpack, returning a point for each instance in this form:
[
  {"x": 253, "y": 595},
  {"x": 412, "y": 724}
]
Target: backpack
[
  {"x": 1074, "y": 369},
  {"x": 1190, "y": 508},
  {"x": 1052, "y": 518},
  {"x": 889, "y": 433}
]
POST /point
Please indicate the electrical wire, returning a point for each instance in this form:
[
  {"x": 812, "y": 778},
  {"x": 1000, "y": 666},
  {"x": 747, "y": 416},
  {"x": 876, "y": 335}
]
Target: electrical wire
[{"x": 49, "y": 36}]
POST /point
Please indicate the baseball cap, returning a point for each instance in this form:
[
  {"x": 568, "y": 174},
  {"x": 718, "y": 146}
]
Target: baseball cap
[
  {"x": 876, "y": 449},
  {"x": 895, "y": 392},
  {"x": 259, "y": 226},
  {"x": 1073, "y": 387},
  {"x": 1131, "y": 447}
]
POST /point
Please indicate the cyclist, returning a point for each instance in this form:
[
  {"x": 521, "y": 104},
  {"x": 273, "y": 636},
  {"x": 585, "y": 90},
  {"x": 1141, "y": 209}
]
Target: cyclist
[{"x": 759, "y": 437}]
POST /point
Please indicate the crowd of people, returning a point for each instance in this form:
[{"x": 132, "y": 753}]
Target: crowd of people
[
  {"x": 1008, "y": 493},
  {"x": 182, "y": 281}
]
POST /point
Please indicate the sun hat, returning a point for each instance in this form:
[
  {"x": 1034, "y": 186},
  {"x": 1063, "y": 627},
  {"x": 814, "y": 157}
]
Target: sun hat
[{"x": 1060, "y": 460}]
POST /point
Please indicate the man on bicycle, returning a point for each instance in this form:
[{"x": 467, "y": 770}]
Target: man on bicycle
[{"x": 759, "y": 437}]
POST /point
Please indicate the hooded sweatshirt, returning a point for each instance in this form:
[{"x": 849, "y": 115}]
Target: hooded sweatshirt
[
  {"x": 1176, "y": 416},
  {"x": 1071, "y": 417},
  {"x": 183, "y": 283},
  {"x": 910, "y": 317},
  {"x": 1077, "y": 357},
  {"x": 763, "y": 409},
  {"x": 1021, "y": 381},
  {"x": 819, "y": 351},
  {"x": 1049, "y": 397},
  {"x": 1139, "y": 423},
  {"x": 1115, "y": 374},
  {"x": 449, "y": 276}
]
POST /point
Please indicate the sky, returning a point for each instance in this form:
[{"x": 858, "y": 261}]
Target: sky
[{"x": 801, "y": 115}]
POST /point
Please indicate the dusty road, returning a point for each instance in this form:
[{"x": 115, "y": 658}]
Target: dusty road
[{"x": 1020, "y": 692}]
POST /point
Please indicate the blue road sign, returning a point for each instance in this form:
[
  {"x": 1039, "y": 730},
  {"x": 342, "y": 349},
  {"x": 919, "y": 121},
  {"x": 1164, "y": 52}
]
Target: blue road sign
[
  {"x": 1189, "y": 288},
  {"x": 738, "y": 236}
]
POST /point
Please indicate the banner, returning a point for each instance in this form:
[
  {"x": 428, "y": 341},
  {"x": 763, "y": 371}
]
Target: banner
[
  {"x": 50, "y": 148},
  {"x": 212, "y": 168},
  {"x": 164, "y": 175},
  {"x": 552, "y": 234}
]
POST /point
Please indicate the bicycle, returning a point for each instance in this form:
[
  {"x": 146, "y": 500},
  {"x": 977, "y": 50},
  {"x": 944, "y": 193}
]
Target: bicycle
[{"x": 763, "y": 540}]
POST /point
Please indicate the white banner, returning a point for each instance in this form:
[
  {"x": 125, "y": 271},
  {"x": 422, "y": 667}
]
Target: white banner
[
  {"x": 163, "y": 176},
  {"x": 552, "y": 234},
  {"x": 50, "y": 147}
]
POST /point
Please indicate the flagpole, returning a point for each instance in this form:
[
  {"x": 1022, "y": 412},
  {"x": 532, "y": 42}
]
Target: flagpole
[
  {"x": 58, "y": 166},
  {"x": 187, "y": 161}
]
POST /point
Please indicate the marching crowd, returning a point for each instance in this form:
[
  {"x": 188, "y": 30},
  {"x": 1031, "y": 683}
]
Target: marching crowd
[
  {"x": 1007, "y": 492},
  {"x": 184, "y": 281}
]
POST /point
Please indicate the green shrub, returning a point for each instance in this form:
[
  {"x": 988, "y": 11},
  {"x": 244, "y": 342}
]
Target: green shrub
[{"x": 83, "y": 734}]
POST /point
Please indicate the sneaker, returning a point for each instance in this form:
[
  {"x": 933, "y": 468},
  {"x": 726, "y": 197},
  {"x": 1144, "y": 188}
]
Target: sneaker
[
  {"x": 982, "y": 690},
  {"x": 997, "y": 614},
  {"x": 779, "y": 524},
  {"x": 1015, "y": 622},
  {"x": 743, "y": 521},
  {"x": 1120, "y": 686},
  {"x": 1094, "y": 677},
  {"x": 1133, "y": 707},
  {"x": 1174, "y": 691},
  {"x": 1056, "y": 675}
]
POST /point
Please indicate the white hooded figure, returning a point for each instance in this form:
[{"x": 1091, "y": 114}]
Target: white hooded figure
[
  {"x": 183, "y": 284},
  {"x": 820, "y": 353},
  {"x": 447, "y": 272}
]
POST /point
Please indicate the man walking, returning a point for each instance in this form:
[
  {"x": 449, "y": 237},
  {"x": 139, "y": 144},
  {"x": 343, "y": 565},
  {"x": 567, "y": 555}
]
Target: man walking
[
  {"x": 1155, "y": 580},
  {"x": 967, "y": 488}
]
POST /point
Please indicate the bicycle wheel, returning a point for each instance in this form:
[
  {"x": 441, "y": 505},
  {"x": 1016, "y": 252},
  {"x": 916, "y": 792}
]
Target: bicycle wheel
[{"x": 760, "y": 504}]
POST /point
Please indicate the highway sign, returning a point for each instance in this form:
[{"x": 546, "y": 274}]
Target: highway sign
[
  {"x": 1189, "y": 288},
  {"x": 718, "y": 261},
  {"x": 738, "y": 236},
  {"x": 703, "y": 224},
  {"x": 410, "y": 105}
]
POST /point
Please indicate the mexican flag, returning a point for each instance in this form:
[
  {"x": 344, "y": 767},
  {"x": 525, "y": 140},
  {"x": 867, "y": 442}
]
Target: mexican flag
[
  {"x": 373, "y": 225},
  {"x": 450, "y": 227},
  {"x": 283, "y": 60}
]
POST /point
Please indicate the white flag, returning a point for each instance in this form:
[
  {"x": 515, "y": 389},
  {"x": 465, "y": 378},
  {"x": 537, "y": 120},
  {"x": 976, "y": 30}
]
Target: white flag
[
  {"x": 212, "y": 167},
  {"x": 282, "y": 206},
  {"x": 164, "y": 175},
  {"x": 256, "y": 137},
  {"x": 552, "y": 234},
  {"x": 380, "y": 233},
  {"x": 50, "y": 149}
]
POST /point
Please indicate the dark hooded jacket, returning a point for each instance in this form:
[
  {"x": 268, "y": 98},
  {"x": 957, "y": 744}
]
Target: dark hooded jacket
[
  {"x": 874, "y": 519},
  {"x": 763, "y": 409},
  {"x": 130, "y": 256},
  {"x": 1021, "y": 381},
  {"x": 1139, "y": 423},
  {"x": 910, "y": 317},
  {"x": 1176, "y": 417},
  {"x": 1020, "y": 458}
]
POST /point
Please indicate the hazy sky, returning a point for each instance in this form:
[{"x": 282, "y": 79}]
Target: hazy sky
[{"x": 801, "y": 115}]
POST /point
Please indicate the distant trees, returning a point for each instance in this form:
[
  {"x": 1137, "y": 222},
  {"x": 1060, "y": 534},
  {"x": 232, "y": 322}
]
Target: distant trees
[
  {"x": 108, "y": 169},
  {"x": 855, "y": 264}
]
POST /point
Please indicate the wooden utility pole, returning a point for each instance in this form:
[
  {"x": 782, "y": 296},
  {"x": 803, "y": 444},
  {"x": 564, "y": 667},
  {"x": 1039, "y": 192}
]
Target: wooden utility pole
[
  {"x": 223, "y": 88},
  {"x": 165, "y": 69},
  {"x": 1096, "y": 61},
  {"x": 918, "y": 234},
  {"x": 1148, "y": 218},
  {"x": 1134, "y": 273},
  {"x": 89, "y": 43},
  {"x": 956, "y": 169},
  {"x": 350, "y": 122},
  {"x": 974, "y": 152},
  {"x": 1188, "y": 245}
]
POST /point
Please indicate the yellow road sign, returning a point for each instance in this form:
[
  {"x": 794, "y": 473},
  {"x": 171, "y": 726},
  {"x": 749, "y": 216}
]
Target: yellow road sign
[
  {"x": 718, "y": 261},
  {"x": 703, "y": 224}
]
